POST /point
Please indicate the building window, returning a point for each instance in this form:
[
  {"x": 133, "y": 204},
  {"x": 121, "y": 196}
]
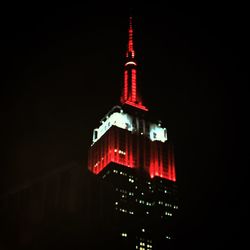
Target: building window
[{"x": 169, "y": 214}]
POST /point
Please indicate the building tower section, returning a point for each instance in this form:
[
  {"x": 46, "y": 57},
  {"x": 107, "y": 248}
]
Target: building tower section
[
  {"x": 131, "y": 154},
  {"x": 125, "y": 136}
]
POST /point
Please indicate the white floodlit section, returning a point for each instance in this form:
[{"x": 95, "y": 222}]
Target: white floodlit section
[
  {"x": 157, "y": 133},
  {"x": 119, "y": 119},
  {"x": 125, "y": 121}
]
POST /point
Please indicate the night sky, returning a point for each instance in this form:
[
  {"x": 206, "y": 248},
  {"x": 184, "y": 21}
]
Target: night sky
[{"x": 62, "y": 69}]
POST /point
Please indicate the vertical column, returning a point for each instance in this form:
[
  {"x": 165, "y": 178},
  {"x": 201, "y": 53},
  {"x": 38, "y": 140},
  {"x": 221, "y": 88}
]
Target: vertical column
[
  {"x": 173, "y": 174},
  {"x": 125, "y": 94},
  {"x": 133, "y": 85}
]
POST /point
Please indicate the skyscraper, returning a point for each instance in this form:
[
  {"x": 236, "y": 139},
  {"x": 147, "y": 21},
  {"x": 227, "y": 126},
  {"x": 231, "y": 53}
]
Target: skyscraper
[{"x": 132, "y": 154}]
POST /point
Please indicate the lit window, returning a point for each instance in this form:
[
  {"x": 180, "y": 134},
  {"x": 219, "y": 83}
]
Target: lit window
[
  {"x": 169, "y": 214},
  {"x": 124, "y": 234},
  {"x": 143, "y": 230}
]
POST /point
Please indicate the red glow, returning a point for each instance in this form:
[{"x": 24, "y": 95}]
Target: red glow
[
  {"x": 125, "y": 85},
  {"x": 133, "y": 85},
  {"x": 130, "y": 93},
  {"x": 108, "y": 149},
  {"x": 161, "y": 161},
  {"x": 130, "y": 39},
  {"x": 171, "y": 165},
  {"x": 137, "y": 105},
  {"x": 121, "y": 146}
]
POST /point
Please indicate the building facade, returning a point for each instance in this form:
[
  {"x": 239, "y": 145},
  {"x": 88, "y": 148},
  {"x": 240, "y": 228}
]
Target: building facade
[{"x": 132, "y": 154}]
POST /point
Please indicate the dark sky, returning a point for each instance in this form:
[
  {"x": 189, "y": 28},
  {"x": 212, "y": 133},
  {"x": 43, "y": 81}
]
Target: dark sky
[{"x": 62, "y": 68}]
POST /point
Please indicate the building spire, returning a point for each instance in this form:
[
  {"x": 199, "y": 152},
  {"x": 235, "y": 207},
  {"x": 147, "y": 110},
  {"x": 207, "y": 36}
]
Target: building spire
[
  {"x": 130, "y": 52},
  {"x": 130, "y": 94}
]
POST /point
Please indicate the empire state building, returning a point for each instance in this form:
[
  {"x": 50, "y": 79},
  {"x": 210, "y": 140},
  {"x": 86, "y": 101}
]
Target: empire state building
[{"x": 132, "y": 155}]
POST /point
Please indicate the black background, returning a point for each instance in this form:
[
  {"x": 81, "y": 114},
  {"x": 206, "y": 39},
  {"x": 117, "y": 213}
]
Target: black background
[{"x": 62, "y": 68}]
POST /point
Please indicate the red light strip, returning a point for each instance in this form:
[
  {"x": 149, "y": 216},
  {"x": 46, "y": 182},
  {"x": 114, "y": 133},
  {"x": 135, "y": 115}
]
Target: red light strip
[
  {"x": 130, "y": 42},
  {"x": 133, "y": 85},
  {"x": 139, "y": 106},
  {"x": 125, "y": 85}
]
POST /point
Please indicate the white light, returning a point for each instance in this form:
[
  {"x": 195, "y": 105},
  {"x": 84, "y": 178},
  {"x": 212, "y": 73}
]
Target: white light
[
  {"x": 124, "y": 235},
  {"x": 118, "y": 119},
  {"x": 157, "y": 133},
  {"x": 124, "y": 121}
]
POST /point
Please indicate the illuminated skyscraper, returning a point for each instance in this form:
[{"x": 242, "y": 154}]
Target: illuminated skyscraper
[{"x": 132, "y": 154}]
